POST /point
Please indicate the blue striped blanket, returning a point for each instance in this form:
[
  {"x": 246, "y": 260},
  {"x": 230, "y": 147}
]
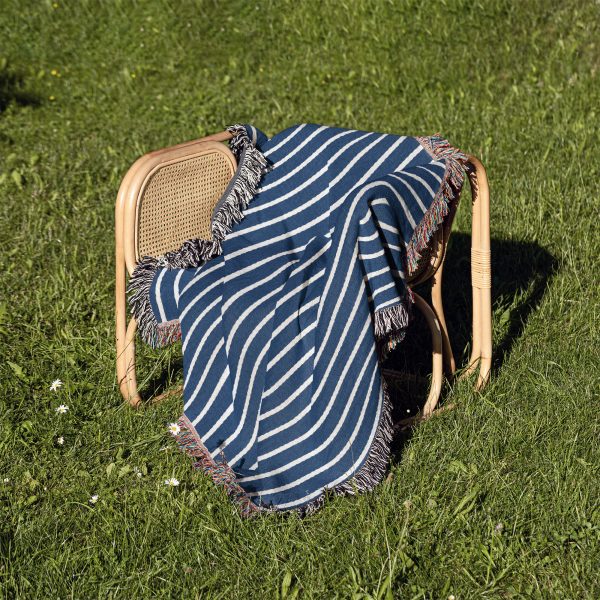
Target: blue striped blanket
[{"x": 287, "y": 312}]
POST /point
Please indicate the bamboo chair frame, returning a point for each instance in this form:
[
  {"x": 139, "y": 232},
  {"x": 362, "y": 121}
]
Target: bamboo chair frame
[{"x": 127, "y": 236}]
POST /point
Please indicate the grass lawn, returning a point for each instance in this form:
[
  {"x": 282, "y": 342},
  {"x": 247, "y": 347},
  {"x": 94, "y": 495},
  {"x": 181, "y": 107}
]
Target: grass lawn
[{"x": 498, "y": 498}]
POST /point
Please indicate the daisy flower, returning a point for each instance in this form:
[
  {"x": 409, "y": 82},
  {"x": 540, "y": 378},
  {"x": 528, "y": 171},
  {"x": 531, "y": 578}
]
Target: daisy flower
[
  {"x": 62, "y": 409},
  {"x": 172, "y": 482},
  {"x": 174, "y": 428},
  {"x": 93, "y": 499},
  {"x": 6, "y": 480},
  {"x": 57, "y": 383},
  {"x": 60, "y": 441}
]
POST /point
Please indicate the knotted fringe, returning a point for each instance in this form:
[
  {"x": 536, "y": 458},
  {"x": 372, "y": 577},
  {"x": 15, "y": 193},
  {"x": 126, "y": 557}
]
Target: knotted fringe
[
  {"x": 219, "y": 471},
  {"x": 448, "y": 192},
  {"x": 194, "y": 253}
]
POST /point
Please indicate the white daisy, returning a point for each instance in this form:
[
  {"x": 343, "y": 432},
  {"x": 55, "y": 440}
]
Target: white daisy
[
  {"x": 93, "y": 499},
  {"x": 174, "y": 428},
  {"x": 172, "y": 482},
  {"x": 6, "y": 480},
  {"x": 60, "y": 441},
  {"x": 62, "y": 409},
  {"x": 57, "y": 383}
]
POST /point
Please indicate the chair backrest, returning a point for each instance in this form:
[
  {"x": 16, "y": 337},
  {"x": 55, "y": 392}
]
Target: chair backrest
[{"x": 169, "y": 195}]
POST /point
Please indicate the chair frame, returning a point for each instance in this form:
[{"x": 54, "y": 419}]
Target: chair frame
[{"x": 126, "y": 219}]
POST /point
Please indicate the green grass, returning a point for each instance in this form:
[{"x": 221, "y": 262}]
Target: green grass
[{"x": 496, "y": 499}]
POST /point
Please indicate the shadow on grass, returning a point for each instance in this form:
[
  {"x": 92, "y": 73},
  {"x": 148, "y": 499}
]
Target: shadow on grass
[
  {"x": 12, "y": 90},
  {"x": 520, "y": 275},
  {"x": 521, "y": 272},
  {"x": 167, "y": 382}
]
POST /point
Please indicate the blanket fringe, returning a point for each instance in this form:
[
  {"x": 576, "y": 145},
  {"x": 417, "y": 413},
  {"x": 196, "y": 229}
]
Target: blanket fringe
[
  {"x": 139, "y": 299},
  {"x": 448, "y": 193},
  {"x": 391, "y": 324},
  {"x": 372, "y": 471},
  {"x": 365, "y": 479},
  {"x": 194, "y": 253},
  {"x": 169, "y": 332},
  {"x": 391, "y": 318},
  {"x": 219, "y": 471}
]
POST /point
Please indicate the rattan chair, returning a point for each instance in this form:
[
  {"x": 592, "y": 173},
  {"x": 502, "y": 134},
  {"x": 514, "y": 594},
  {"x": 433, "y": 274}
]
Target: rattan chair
[{"x": 168, "y": 196}]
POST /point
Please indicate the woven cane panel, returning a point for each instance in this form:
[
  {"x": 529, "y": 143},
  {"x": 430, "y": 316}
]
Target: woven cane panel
[{"x": 177, "y": 203}]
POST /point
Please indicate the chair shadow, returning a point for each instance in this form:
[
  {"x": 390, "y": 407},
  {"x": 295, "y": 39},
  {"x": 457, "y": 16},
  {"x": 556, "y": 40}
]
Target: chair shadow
[
  {"x": 521, "y": 272},
  {"x": 164, "y": 383},
  {"x": 12, "y": 89}
]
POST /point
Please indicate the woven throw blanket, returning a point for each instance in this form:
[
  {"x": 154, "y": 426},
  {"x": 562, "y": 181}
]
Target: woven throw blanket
[{"x": 287, "y": 312}]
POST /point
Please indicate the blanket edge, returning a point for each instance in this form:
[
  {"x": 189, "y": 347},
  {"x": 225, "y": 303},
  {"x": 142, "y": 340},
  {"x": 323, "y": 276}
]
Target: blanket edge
[
  {"x": 449, "y": 192},
  {"x": 367, "y": 477},
  {"x": 195, "y": 252},
  {"x": 391, "y": 323}
]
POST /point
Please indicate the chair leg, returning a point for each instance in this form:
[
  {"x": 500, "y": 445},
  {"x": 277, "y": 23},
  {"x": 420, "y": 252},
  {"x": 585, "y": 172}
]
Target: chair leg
[
  {"x": 125, "y": 343},
  {"x": 121, "y": 362},
  {"x": 125, "y": 334},
  {"x": 476, "y": 303},
  {"x": 437, "y": 374},
  {"x": 481, "y": 355},
  {"x": 483, "y": 279},
  {"x": 134, "y": 397},
  {"x": 438, "y": 307}
]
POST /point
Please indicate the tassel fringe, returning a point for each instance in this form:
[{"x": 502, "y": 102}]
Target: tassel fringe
[
  {"x": 365, "y": 479},
  {"x": 169, "y": 332},
  {"x": 448, "y": 193},
  {"x": 194, "y": 253},
  {"x": 373, "y": 469},
  {"x": 391, "y": 324},
  {"x": 219, "y": 471},
  {"x": 138, "y": 292},
  {"x": 390, "y": 319}
]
